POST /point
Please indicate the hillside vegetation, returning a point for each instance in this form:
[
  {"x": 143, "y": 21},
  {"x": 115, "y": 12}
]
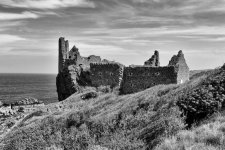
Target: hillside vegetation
[
  {"x": 102, "y": 119},
  {"x": 208, "y": 136}
]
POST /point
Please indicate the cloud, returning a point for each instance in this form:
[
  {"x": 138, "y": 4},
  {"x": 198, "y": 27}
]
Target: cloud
[
  {"x": 7, "y": 38},
  {"x": 6, "y": 25},
  {"x": 46, "y": 4},
  {"x": 17, "y": 16},
  {"x": 125, "y": 30}
]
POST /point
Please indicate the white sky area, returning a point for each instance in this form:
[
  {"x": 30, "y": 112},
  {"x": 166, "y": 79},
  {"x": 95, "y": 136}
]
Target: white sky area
[{"x": 127, "y": 31}]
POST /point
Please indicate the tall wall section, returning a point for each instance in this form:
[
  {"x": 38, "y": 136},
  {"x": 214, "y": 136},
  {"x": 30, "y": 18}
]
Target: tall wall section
[
  {"x": 179, "y": 62},
  {"x": 142, "y": 77},
  {"x": 73, "y": 70},
  {"x": 63, "y": 53},
  {"x": 153, "y": 61},
  {"x": 84, "y": 62},
  {"x": 106, "y": 74}
]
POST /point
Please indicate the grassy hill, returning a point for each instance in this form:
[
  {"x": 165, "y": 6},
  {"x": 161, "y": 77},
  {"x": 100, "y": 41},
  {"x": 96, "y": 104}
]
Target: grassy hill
[
  {"x": 119, "y": 122},
  {"x": 207, "y": 136}
]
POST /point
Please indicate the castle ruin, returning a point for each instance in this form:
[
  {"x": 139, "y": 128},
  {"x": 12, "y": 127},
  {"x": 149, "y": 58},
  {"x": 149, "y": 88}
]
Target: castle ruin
[{"x": 76, "y": 72}]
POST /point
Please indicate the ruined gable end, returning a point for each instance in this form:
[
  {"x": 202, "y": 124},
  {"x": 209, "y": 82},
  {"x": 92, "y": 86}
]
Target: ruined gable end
[
  {"x": 179, "y": 62},
  {"x": 106, "y": 74},
  {"x": 153, "y": 61},
  {"x": 74, "y": 53}
]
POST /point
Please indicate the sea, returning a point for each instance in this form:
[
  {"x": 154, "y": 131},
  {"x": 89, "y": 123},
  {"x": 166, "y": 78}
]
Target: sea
[{"x": 14, "y": 87}]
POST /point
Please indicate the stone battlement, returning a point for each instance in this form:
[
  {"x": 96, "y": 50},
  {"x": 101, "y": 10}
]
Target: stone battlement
[{"x": 76, "y": 71}]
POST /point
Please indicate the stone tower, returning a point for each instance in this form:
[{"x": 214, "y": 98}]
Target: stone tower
[
  {"x": 153, "y": 61},
  {"x": 63, "y": 53}
]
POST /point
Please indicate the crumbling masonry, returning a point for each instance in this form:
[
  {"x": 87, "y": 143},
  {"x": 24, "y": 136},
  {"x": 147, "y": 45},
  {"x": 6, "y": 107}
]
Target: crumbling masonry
[{"x": 76, "y": 72}]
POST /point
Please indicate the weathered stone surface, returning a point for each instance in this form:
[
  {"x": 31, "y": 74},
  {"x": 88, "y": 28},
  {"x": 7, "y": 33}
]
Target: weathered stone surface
[
  {"x": 142, "y": 77},
  {"x": 76, "y": 72},
  {"x": 66, "y": 82},
  {"x": 153, "y": 61},
  {"x": 179, "y": 62},
  {"x": 106, "y": 74}
]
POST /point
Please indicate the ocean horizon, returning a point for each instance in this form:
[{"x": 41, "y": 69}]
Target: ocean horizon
[{"x": 17, "y": 86}]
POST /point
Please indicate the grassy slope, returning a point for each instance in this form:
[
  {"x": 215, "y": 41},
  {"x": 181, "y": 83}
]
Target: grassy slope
[
  {"x": 136, "y": 121},
  {"x": 205, "y": 99},
  {"x": 208, "y": 136}
]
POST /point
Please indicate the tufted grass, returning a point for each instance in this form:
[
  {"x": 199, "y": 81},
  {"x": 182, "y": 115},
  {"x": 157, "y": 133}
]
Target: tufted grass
[
  {"x": 109, "y": 121},
  {"x": 208, "y": 136}
]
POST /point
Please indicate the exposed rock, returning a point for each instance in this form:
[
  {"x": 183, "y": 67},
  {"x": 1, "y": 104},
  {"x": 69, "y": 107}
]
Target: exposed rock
[
  {"x": 89, "y": 95},
  {"x": 27, "y": 101},
  {"x": 11, "y": 114},
  {"x": 6, "y": 111},
  {"x": 66, "y": 81}
]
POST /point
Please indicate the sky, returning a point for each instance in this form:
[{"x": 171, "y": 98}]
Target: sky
[{"x": 126, "y": 31}]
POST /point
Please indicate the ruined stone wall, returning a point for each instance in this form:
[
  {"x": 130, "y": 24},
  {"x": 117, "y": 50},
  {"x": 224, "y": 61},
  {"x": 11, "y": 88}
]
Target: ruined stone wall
[
  {"x": 74, "y": 70},
  {"x": 106, "y": 74},
  {"x": 66, "y": 55},
  {"x": 86, "y": 61},
  {"x": 67, "y": 81},
  {"x": 77, "y": 59},
  {"x": 179, "y": 62},
  {"x": 63, "y": 53},
  {"x": 139, "y": 78},
  {"x": 153, "y": 61}
]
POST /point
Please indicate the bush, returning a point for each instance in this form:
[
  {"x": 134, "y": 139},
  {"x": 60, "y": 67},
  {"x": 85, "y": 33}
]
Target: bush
[
  {"x": 89, "y": 95},
  {"x": 21, "y": 109},
  {"x": 205, "y": 99},
  {"x": 104, "y": 89}
]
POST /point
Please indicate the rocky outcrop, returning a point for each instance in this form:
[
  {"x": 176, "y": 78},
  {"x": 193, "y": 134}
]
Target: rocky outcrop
[
  {"x": 27, "y": 101},
  {"x": 25, "y": 105},
  {"x": 153, "y": 61},
  {"x": 67, "y": 81}
]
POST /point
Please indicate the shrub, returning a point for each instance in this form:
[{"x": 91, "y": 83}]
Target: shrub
[
  {"x": 89, "y": 95},
  {"x": 21, "y": 109},
  {"x": 205, "y": 99},
  {"x": 104, "y": 89}
]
